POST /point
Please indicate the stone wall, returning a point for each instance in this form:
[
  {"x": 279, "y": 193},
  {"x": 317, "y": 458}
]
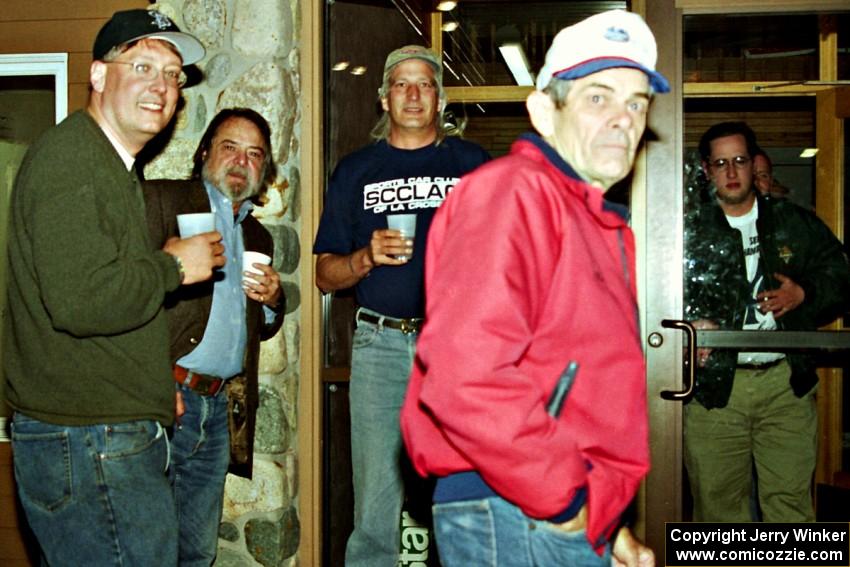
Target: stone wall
[{"x": 252, "y": 61}]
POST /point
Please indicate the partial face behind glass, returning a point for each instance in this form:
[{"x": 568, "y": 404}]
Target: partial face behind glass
[
  {"x": 730, "y": 168},
  {"x": 762, "y": 174}
]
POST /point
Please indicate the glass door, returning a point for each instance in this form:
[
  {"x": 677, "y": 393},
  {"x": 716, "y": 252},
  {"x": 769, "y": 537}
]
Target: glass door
[{"x": 775, "y": 72}]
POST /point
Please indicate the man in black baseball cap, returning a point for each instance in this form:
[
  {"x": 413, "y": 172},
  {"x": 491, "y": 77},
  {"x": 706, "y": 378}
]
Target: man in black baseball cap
[
  {"x": 132, "y": 25},
  {"x": 85, "y": 358}
]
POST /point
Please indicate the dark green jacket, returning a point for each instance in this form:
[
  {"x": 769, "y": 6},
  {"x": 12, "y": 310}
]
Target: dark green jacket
[
  {"x": 86, "y": 339},
  {"x": 792, "y": 242}
]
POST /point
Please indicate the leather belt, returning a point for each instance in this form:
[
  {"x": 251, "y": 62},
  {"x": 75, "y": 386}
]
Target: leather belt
[
  {"x": 406, "y": 326},
  {"x": 200, "y": 383},
  {"x": 762, "y": 366}
]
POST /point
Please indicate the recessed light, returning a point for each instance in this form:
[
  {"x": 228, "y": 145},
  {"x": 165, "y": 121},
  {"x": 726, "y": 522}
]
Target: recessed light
[
  {"x": 446, "y": 5},
  {"x": 809, "y": 153},
  {"x": 450, "y": 26},
  {"x": 341, "y": 66},
  {"x": 359, "y": 70}
]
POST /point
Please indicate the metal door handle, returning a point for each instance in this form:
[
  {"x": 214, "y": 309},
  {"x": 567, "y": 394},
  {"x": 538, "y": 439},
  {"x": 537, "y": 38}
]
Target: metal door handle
[{"x": 691, "y": 354}]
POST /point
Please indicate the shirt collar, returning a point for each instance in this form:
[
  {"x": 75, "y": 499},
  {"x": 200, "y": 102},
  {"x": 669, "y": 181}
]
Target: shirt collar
[{"x": 125, "y": 156}]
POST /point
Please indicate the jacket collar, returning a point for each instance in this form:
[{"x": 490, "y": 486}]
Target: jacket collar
[{"x": 594, "y": 197}]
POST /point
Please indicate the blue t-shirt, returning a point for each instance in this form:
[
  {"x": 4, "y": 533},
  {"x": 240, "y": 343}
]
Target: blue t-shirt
[{"x": 378, "y": 180}]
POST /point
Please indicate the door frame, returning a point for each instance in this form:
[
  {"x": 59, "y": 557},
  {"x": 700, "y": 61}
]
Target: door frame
[
  {"x": 657, "y": 220},
  {"x": 655, "y": 176}
]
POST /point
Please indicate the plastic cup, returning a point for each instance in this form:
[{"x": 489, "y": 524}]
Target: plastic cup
[
  {"x": 249, "y": 258},
  {"x": 406, "y": 225},
  {"x": 189, "y": 225}
]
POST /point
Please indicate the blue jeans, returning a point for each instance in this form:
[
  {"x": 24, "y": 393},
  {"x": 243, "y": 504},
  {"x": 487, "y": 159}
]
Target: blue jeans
[
  {"x": 96, "y": 495},
  {"x": 200, "y": 453},
  {"x": 381, "y": 362},
  {"x": 492, "y": 532}
]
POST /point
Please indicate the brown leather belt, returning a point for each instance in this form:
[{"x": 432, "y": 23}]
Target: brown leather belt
[
  {"x": 200, "y": 383},
  {"x": 406, "y": 326}
]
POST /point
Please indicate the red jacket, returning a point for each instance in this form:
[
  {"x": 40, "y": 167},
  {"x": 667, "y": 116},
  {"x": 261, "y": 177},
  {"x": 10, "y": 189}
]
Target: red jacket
[{"x": 528, "y": 268}]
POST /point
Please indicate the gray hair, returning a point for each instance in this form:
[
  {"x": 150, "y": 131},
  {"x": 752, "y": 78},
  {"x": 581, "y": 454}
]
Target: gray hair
[{"x": 558, "y": 89}]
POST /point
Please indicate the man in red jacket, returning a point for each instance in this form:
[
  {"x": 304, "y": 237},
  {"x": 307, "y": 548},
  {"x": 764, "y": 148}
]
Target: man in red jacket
[{"x": 530, "y": 286}]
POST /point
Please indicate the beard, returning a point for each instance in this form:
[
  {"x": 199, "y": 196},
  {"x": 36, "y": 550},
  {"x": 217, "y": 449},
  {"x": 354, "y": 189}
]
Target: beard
[{"x": 236, "y": 191}]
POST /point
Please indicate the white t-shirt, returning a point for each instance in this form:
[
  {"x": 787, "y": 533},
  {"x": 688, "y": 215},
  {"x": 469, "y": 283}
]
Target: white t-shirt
[{"x": 754, "y": 318}]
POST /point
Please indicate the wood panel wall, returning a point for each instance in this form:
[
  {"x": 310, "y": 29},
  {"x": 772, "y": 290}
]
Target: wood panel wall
[{"x": 59, "y": 26}]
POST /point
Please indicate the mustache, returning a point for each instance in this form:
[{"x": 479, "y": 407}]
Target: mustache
[{"x": 238, "y": 170}]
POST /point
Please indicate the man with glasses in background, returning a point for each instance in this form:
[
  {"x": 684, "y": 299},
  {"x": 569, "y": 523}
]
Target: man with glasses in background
[
  {"x": 765, "y": 264},
  {"x": 85, "y": 351}
]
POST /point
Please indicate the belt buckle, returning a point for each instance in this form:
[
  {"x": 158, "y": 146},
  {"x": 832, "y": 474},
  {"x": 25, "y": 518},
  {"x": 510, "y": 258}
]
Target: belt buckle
[{"x": 408, "y": 326}]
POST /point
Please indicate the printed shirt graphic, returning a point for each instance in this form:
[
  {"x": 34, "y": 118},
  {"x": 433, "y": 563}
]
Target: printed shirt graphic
[
  {"x": 380, "y": 180},
  {"x": 407, "y": 194},
  {"x": 754, "y": 319}
]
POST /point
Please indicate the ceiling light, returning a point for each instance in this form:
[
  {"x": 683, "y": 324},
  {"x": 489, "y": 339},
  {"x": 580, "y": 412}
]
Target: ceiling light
[
  {"x": 446, "y": 5},
  {"x": 359, "y": 70},
  {"x": 450, "y": 26},
  {"x": 809, "y": 153},
  {"x": 517, "y": 63},
  {"x": 341, "y": 66}
]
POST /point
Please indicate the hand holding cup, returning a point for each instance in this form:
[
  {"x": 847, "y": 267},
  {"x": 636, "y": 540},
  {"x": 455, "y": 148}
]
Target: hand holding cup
[
  {"x": 406, "y": 225},
  {"x": 259, "y": 280}
]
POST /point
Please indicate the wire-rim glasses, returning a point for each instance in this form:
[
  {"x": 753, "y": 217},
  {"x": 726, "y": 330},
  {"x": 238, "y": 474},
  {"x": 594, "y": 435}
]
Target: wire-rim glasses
[{"x": 174, "y": 76}]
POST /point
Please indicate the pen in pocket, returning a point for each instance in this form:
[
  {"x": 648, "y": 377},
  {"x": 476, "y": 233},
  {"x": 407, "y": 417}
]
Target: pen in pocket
[{"x": 562, "y": 388}]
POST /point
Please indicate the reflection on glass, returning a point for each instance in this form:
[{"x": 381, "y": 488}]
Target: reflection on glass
[
  {"x": 359, "y": 37},
  {"x": 784, "y": 127},
  {"x": 751, "y": 47},
  {"x": 471, "y": 50},
  {"x": 494, "y": 126}
]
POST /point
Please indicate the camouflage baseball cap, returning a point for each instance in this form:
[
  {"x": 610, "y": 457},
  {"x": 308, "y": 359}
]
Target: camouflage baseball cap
[{"x": 414, "y": 52}]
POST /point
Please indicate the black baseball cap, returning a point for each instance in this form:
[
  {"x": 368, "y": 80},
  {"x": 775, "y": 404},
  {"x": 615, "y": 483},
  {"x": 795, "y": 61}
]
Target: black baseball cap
[{"x": 133, "y": 25}]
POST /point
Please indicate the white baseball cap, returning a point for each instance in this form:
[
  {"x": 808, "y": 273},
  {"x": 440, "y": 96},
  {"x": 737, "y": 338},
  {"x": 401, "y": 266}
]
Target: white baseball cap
[{"x": 603, "y": 41}]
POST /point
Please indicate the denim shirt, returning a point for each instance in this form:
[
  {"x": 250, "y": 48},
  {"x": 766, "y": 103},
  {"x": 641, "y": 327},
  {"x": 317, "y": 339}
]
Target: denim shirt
[{"x": 222, "y": 350}]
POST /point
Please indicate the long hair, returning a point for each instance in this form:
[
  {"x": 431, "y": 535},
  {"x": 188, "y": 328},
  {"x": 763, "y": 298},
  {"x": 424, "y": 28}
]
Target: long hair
[{"x": 248, "y": 114}]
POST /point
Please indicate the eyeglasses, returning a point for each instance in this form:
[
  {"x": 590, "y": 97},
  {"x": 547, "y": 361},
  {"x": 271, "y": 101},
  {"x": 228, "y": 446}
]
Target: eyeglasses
[
  {"x": 740, "y": 162},
  {"x": 174, "y": 76}
]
